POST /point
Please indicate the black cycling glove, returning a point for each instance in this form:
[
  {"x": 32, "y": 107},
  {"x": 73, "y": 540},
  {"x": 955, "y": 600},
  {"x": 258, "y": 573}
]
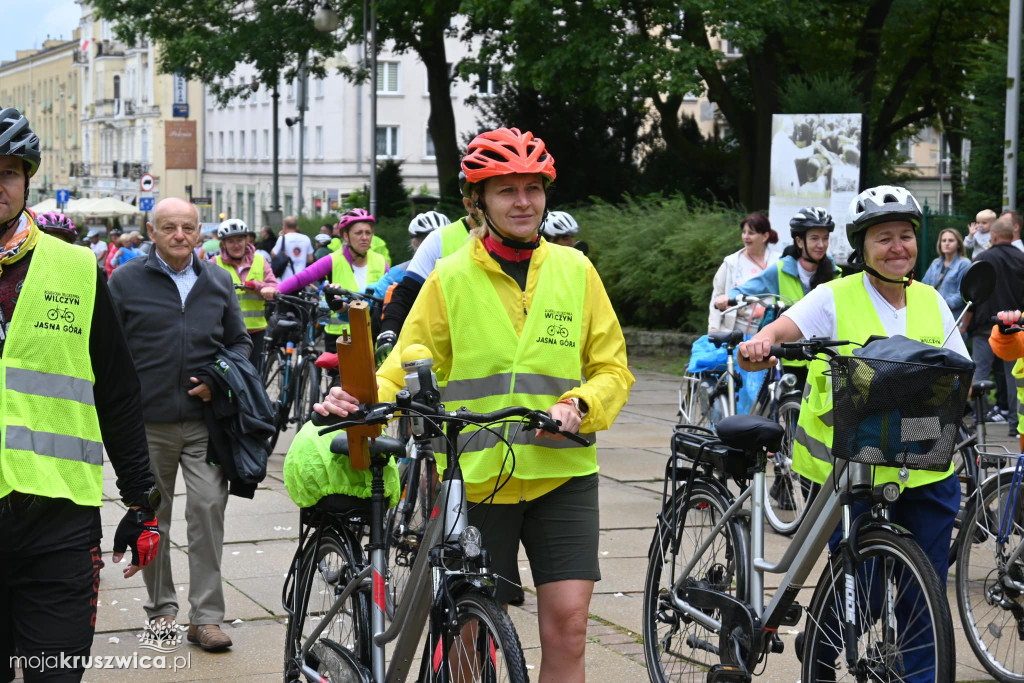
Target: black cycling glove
[
  {"x": 385, "y": 343},
  {"x": 138, "y": 530}
]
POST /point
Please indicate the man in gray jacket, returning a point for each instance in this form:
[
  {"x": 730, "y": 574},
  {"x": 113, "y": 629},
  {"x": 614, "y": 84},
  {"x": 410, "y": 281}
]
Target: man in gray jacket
[{"x": 177, "y": 311}]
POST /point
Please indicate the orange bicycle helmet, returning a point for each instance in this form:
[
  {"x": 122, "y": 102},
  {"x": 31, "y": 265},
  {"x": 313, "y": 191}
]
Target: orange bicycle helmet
[{"x": 505, "y": 151}]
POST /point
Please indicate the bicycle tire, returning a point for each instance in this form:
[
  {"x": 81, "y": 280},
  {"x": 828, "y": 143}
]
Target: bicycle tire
[
  {"x": 325, "y": 571},
  {"x": 986, "y": 602},
  {"x": 668, "y": 635},
  {"x": 404, "y": 544},
  {"x": 496, "y": 655},
  {"x": 276, "y": 384},
  {"x": 306, "y": 389},
  {"x": 787, "y": 495},
  {"x": 879, "y": 652},
  {"x": 695, "y": 401}
]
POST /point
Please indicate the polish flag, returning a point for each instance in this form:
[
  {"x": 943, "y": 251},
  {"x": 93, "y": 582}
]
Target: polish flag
[{"x": 85, "y": 45}]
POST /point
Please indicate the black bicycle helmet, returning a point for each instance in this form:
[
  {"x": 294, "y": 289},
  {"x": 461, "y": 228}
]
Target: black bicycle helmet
[
  {"x": 810, "y": 217},
  {"x": 18, "y": 140},
  {"x": 879, "y": 205}
]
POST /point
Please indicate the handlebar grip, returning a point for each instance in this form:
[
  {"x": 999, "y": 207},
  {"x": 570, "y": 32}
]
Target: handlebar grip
[
  {"x": 574, "y": 437},
  {"x": 732, "y": 301},
  {"x": 788, "y": 353},
  {"x": 333, "y": 420}
]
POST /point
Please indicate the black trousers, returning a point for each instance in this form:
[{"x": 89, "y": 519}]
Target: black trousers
[{"x": 48, "y": 613}]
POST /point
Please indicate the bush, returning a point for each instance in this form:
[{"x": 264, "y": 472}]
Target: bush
[{"x": 658, "y": 256}]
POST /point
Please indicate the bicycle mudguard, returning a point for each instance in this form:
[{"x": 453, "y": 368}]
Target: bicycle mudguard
[
  {"x": 356, "y": 367},
  {"x": 864, "y": 522}
]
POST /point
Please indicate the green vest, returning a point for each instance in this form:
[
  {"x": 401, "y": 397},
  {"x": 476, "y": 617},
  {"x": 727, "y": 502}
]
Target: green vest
[
  {"x": 856, "y": 320},
  {"x": 342, "y": 276},
  {"x": 253, "y": 308},
  {"x": 791, "y": 288},
  {"x": 50, "y": 441},
  {"x": 1018, "y": 379},
  {"x": 493, "y": 368},
  {"x": 379, "y": 246},
  {"x": 453, "y": 237}
]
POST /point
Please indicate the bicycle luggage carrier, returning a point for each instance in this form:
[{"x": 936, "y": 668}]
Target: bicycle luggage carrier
[{"x": 895, "y": 413}]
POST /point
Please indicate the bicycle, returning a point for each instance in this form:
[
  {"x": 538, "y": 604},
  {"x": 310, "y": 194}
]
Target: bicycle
[
  {"x": 708, "y": 397},
  {"x": 290, "y": 374},
  {"x": 336, "y": 601},
  {"x": 704, "y": 612},
  {"x": 990, "y": 563}
]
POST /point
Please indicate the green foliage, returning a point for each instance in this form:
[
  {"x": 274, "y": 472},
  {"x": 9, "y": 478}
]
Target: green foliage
[
  {"x": 819, "y": 94},
  {"x": 358, "y": 199},
  {"x": 657, "y": 257},
  {"x": 392, "y": 197}
]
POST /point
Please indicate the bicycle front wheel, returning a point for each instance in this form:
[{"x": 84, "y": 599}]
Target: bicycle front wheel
[
  {"x": 307, "y": 390},
  {"x": 989, "y": 586},
  {"x": 483, "y": 647},
  {"x": 787, "y": 494},
  {"x": 343, "y": 647},
  {"x": 903, "y": 626},
  {"x": 406, "y": 524},
  {"x": 676, "y": 646},
  {"x": 275, "y": 379}
]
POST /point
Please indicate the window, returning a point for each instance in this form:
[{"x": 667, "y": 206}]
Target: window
[
  {"x": 730, "y": 50},
  {"x": 319, "y": 85},
  {"x": 209, "y": 146},
  {"x": 252, "y": 144},
  {"x": 291, "y": 142},
  {"x": 220, "y": 141},
  {"x": 319, "y": 142},
  {"x": 291, "y": 89},
  {"x": 387, "y": 78},
  {"x": 266, "y": 143},
  {"x": 905, "y": 151},
  {"x": 241, "y": 144},
  {"x": 489, "y": 81},
  {"x": 429, "y": 145},
  {"x": 117, "y": 87},
  {"x": 231, "y": 145},
  {"x": 387, "y": 141},
  {"x": 227, "y": 86},
  {"x": 144, "y": 156}
]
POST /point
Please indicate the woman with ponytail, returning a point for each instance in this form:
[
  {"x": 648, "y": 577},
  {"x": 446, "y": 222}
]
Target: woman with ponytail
[{"x": 756, "y": 255}]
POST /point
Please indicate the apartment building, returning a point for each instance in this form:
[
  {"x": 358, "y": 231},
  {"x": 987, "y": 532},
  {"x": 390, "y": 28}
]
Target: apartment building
[
  {"x": 134, "y": 120},
  {"x": 43, "y": 84},
  {"x": 238, "y": 136}
]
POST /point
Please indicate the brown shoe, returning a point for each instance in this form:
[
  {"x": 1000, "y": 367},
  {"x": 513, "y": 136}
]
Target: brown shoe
[{"x": 209, "y": 637}]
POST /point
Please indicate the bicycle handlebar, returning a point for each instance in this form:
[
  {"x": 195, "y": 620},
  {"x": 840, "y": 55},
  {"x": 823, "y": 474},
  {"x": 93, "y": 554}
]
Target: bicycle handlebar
[
  {"x": 1008, "y": 329},
  {"x": 805, "y": 349},
  {"x": 332, "y": 291}
]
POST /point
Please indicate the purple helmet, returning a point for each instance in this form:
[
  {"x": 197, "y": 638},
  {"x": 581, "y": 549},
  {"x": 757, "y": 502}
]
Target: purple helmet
[
  {"x": 355, "y": 216},
  {"x": 58, "y": 225}
]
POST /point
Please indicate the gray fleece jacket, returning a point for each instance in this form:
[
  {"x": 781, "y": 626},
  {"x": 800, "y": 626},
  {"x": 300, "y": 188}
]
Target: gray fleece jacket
[{"x": 169, "y": 341}]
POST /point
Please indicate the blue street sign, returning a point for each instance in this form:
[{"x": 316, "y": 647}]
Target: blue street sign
[
  {"x": 179, "y": 110},
  {"x": 146, "y": 203},
  {"x": 63, "y": 196}
]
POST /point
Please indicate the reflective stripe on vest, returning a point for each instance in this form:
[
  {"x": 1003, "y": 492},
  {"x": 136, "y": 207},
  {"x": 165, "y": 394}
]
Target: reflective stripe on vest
[
  {"x": 50, "y": 440},
  {"x": 492, "y": 367},
  {"x": 453, "y": 237},
  {"x": 342, "y": 276},
  {"x": 252, "y": 304},
  {"x": 1018, "y": 379},
  {"x": 791, "y": 288},
  {"x": 856, "y": 320}
]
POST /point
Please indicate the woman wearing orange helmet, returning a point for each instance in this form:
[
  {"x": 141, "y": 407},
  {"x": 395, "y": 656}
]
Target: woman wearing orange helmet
[{"x": 511, "y": 319}]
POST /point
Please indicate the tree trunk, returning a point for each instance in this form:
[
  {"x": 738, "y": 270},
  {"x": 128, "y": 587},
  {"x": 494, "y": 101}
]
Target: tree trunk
[
  {"x": 441, "y": 122},
  {"x": 764, "y": 79},
  {"x": 952, "y": 123}
]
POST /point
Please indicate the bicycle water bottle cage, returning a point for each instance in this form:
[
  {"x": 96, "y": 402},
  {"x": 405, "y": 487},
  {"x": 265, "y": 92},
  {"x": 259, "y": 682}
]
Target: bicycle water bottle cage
[{"x": 723, "y": 338}]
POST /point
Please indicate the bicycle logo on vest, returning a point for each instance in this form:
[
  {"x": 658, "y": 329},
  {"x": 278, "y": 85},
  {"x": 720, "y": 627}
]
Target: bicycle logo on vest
[
  {"x": 554, "y": 331},
  {"x": 57, "y": 314}
]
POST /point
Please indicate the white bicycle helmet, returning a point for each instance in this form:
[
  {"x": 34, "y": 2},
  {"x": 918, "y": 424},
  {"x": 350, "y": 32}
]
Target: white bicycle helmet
[
  {"x": 426, "y": 223},
  {"x": 559, "y": 224},
  {"x": 231, "y": 227},
  {"x": 880, "y": 204},
  {"x": 323, "y": 239}
]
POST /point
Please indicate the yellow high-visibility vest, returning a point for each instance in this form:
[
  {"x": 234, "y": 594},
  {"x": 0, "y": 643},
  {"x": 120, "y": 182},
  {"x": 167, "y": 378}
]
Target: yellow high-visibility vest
[{"x": 253, "y": 308}]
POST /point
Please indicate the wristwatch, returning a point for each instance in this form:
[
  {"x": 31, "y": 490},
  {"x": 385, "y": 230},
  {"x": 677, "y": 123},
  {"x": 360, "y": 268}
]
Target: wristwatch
[
  {"x": 581, "y": 406},
  {"x": 150, "y": 499}
]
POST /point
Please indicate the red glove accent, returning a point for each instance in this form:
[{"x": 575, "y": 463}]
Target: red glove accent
[
  {"x": 249, "y": 284},
  {"x": 139, "y": 531}
]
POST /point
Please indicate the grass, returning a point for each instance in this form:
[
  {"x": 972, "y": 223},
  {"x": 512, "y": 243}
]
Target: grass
[{"x": 669, "y": 364}]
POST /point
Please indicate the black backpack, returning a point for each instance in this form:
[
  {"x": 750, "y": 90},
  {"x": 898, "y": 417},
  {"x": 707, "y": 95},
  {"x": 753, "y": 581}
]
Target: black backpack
[{"x": 281, "y": 262}]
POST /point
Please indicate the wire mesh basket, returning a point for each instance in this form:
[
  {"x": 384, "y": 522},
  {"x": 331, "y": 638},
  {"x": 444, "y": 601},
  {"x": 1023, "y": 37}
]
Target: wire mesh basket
[{"x": 895, "y": 413}]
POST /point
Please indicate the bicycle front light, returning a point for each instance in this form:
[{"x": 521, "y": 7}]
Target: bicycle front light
[{"x": 471, "y": 541}]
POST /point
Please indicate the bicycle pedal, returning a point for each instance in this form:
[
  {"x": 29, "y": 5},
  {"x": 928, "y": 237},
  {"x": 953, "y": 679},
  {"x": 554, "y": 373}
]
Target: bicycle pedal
[{"x": 720, "y": 673}]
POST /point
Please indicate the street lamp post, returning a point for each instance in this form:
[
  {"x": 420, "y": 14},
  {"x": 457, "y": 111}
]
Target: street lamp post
[
  {"x": 301, "y": 121},
  {"x": 275, "y": 205},
  {"x": 373, "y": 108}
]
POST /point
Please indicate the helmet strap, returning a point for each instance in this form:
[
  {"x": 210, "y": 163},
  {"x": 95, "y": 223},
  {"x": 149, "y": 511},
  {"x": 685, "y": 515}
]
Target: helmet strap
[
  {"x": 903, "y": 281},
  {"x": 508, "y": 241}
]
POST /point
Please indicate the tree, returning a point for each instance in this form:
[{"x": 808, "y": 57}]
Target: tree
[{"x": 901, "y": 54}]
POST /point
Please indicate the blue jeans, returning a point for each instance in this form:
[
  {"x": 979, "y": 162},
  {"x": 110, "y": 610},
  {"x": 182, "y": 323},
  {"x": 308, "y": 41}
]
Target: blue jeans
[{"x": 928, "y": 512}]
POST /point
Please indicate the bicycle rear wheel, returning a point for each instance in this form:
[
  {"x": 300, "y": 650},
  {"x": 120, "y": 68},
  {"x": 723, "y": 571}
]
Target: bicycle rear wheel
[
  {"x": 988, "y": 587},
  {"x": 275, "y": 379},
  {"x": 483, "y": 646},
  {"x": 787, "y": 494},
  {"x": 307, "y": 389},
  {"x": 343, "y": 648},
  {"x": 676, "y": 647},
  {"x": 904, "y": 630},
  {"x": 406, "y": 525}
]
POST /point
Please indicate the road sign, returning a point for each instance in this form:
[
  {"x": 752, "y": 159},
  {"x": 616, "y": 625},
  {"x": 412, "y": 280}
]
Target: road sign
[
  {"x": 203, "y": 201},
  {"x": 179, "y": 111},
  {"x": 63, "y": 196},
  {"x": 146, "y": 203},
  {"x": 146, "y": 182}
]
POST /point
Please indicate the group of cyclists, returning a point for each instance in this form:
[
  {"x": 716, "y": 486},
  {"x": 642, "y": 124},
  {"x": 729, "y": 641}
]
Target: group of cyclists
[{"x": 511, "y": 315}]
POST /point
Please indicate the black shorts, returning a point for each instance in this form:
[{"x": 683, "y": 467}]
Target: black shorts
[{"x": 559, "y": 531}]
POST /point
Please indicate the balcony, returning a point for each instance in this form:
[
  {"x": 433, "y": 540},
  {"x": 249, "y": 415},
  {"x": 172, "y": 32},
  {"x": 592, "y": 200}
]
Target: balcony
[
  {"x": 79, "y": 169},
  {"x": 108, "y": 48},
  {"x": 79, "y": 57},
  {"x": 128, "y": 107}
]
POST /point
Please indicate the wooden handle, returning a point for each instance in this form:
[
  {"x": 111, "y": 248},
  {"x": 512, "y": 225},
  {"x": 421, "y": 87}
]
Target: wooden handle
[{"x": 356, "y": 367}]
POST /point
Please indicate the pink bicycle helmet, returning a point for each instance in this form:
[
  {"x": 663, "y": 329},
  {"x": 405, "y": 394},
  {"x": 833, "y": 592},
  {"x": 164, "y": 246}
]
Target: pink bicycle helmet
[
  {"x": 355, "y": 216},
  {"x": 58, "y": 225}
]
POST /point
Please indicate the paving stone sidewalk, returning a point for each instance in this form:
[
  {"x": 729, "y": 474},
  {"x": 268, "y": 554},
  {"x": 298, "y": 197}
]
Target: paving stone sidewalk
[{"x": 261, "y": 536}]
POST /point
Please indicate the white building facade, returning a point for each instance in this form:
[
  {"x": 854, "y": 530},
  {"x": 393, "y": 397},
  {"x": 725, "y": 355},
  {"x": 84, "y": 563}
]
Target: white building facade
[{"x": 238, "y": 137}]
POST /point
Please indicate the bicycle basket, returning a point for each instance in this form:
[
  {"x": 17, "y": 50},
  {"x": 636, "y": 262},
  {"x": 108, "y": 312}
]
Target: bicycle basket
[{"x": 896, "y": 413}]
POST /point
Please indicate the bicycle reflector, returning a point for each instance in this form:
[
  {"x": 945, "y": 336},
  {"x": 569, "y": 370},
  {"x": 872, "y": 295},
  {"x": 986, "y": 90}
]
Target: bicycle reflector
[{"x": 471, "y": 541}]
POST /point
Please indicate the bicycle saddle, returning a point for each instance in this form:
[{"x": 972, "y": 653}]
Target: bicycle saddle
[
  {"x": 750, "y": 433},
  {"x": 720, "y": 339},
  {"x": 286, "y": 324},
  {"x": 983, "y": 387}
]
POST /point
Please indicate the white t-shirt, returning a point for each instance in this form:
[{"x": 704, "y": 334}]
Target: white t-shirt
[
  {"x": 815, "y": 315},
  {"x": 805, "y": 275},
  {"x": 299, "y": 248},
  {"x": 423, "y": 261},
  {"x": 100, "y": 249},
  {"x": 360, "y": 273}
]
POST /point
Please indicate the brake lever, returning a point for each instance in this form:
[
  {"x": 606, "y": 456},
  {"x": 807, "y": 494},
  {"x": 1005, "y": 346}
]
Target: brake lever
[{"x": 551, "y": 425}]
